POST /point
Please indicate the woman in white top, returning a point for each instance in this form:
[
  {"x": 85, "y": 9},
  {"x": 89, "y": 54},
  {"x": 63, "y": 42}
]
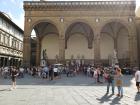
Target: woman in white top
[{"x": 137, "y": 78}]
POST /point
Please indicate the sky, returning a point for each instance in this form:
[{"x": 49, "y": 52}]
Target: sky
[{"x": 14, "y": 8}]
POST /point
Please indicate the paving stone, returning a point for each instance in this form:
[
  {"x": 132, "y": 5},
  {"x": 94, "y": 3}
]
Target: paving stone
[{"x": 79, "y": 90}]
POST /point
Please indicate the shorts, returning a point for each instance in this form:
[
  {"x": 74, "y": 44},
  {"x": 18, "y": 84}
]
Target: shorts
[
  {"x": 137, "y": 83},
  {"x": 13, "y": 79},
  {"x": 55, "y": 74}
]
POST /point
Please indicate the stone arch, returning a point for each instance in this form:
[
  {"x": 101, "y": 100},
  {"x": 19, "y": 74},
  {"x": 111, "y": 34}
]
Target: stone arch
[
  {"x": 41, "y": 21},
  {"x": 89, "y": 37},
  {"x": 79, "y": 37},
  {"x": 82, "y": 21},
  {"x": 125, "y": 24},
  {"x": 119, "y": 31},
  {"x": 43, "y": 40}
]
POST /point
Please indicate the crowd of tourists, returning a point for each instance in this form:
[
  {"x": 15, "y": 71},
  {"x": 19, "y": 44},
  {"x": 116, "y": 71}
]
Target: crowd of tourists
[{"x": 111, "y": 75}]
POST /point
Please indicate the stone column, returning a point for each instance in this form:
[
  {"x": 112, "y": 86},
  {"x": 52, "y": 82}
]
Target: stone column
[
  {"x": 0, "y": 62},
  {"x": 27, "y": 42},
  {"x": 38, "y": 51},
  {"x": 61, "y": 49},
  {"x": 97, "y": 49},
  {"x": 26, "y": 51},
  {"x": 62, "y": 42},
  {"x": 133, "y": 50},
  {"x": 3, "y": 61},
  {"x": 115, "y": 44}
]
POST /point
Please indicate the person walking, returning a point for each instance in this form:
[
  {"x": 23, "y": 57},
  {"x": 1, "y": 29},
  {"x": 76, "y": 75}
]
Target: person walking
[
  {"x": 137, "y": 79},
  {"x": 119, "y": 82}
]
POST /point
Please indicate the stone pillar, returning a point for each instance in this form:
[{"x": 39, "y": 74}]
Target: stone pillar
[
  {"x": 115, "y": 44},
  {"x": 8, "y": 61},
  {"x": 61, "y": 49},
  {"x": 62, "y": 42},
  {"x": 3, "y": 61},
  {"x": 27, "y": 42},
  {"x": 0, "y": 62},
  {"x": 138, "y": 41},
  {"x": 38, "y": 51},
  {"x": 12, "y": 61},
  {"x": 97, "y": 49},
  {"x": 26, "y": 51},
  {"x": 133, "y": 50}
]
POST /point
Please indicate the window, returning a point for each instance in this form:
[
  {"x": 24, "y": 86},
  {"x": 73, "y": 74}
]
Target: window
[
  {"x": 2, "y": 38},
  {"x": 17, "y": 45},
  {"x": 8, "y": 27},
  {"x": 13, "y": 43},
  {"x": 21, "y": 46},
  {"x": 0, "y": 22},
  {"x": 6, "y": 40}
]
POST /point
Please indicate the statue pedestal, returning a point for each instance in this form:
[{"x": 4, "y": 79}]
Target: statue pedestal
[{"x": 43, "y": 62}]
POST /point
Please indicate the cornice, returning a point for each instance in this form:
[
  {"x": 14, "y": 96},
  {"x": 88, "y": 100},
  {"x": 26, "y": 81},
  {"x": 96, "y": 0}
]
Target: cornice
[{"x": 78, "y": 5}]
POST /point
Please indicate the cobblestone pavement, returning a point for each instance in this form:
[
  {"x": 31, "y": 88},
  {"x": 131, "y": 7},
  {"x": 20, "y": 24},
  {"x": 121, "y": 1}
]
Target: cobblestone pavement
[{"x": 79, "y": 90}]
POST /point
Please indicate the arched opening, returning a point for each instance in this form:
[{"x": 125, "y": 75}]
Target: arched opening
[
  {"x": 79, "y": 42},
  {"x": 114, "y": 36},
  {"x": 44, "y": 44}
]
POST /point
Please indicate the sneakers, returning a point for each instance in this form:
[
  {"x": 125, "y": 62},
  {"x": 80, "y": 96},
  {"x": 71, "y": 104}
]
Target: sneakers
[
  {"x": 11, "y": 88},
  {"x": 138, "y": 92},
  {"x": 119, "y": 95}
]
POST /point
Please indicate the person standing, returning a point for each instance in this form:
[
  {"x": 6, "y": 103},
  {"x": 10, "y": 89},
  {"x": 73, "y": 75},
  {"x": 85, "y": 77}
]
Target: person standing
[
  {"x": 95, "y": 75},
  {"x": 119, "y": 82},
  {"x": 14, "y": 74},
  {"x": 110, "y": 81},
  {"x": 137, "y": 78},
  {"x": 51, "y": 72}
]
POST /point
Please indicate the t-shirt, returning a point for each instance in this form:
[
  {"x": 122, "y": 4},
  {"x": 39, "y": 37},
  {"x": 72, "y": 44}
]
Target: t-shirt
[
  {"x": 13, "y": 73},
  {"x": 110, "y": 77},
  {"x": 55, "y": 69},
  {"x": 137, "y": 76}
]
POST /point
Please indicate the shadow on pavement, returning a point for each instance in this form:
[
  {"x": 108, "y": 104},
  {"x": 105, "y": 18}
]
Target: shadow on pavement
[
  {"x": 116, "y": 101},
  {"x": 137, "y": 97},
  {"x": 5, "y": 89},
  {"x": 105, "y": 98}
]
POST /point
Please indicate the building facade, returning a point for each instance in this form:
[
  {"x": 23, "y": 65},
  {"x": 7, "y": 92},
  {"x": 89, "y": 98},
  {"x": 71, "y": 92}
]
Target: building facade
[
  {"x": 85, "y": 31},
  {"x": 11, "y": 42}
]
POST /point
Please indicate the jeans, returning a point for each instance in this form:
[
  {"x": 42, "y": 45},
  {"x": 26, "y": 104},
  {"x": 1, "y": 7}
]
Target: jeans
[
  {"x": 120, "y": 90},
  {"x": 113, "y": 86}
]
